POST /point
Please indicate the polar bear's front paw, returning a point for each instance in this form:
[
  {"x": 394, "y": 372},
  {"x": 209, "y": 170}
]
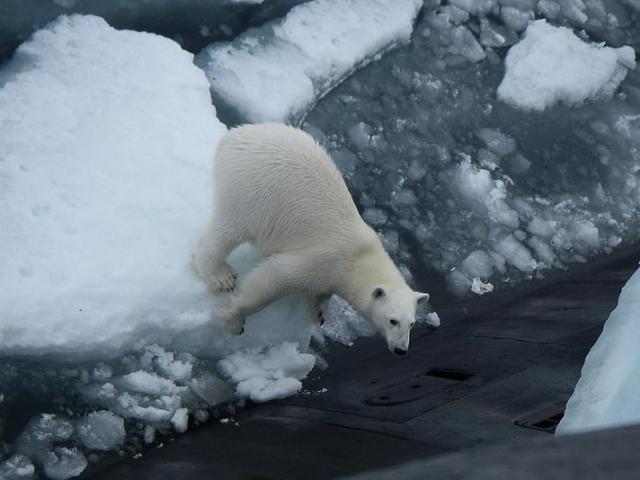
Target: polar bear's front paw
[
  {"x": 316, "y": 310},
  {"x": 233, "y": 324},
  {"x": 223, "y": 281}
]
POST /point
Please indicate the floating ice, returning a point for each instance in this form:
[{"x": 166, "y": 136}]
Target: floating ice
[
  {"x": 262, "y": 375},
  {"x": 38, "y": 440},
  {"x": 180, "y": 420},
  {"x": 17, "y": 467},
  {"x": 62, "y": 463},
  {"x": 277, "y": 72},
  {"x": 102, "y": 430},
  {"x": 551, "y": 65},
  {"x": 429, "y": 152},
  {"x": 479, "y": 287},
  {"x": 608, "y": 392}
]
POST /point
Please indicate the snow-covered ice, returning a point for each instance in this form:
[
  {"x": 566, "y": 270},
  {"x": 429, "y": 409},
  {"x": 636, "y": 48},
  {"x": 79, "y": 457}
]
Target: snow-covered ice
[
  {"x": 551, "y": 64},
  {"x": 608, "y": 392},
  {"x": 277, "y": 72},
  {"x": 103, "y": 187},
  {"x": 107, "y": 138}
]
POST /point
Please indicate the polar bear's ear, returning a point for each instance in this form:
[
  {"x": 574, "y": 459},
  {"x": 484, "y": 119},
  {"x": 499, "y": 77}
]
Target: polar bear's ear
[
  {"x": 421, "y": 297},
  {"x": 378, "y": 293}
]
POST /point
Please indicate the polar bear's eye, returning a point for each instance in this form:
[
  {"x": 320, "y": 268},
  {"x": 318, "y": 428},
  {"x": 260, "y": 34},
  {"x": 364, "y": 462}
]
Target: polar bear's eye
[
  {"x": 393, "y": 322},
  {"x": 378, "y": 293}
]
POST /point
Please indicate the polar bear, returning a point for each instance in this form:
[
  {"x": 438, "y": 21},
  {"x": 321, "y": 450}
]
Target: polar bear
[{"x": 277, "y": 189}]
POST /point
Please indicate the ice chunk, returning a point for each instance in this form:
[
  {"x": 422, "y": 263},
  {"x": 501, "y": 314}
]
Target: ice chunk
[
  {"x": 516, "y": 254},
  {"x": 343, "y": 324},
  {"x": 586, "y": 232},
  {"x": 262, "y": 375},
  {"x": 608, "y": 392},
  {"x": 164, "y": 361},
  {"x": 101, "y": 430},
  {"x": 149, "y": 434},
  {"x": 17, "y": 467},
  {"x": 542, "y": 251},
  {"x": 374, "y": 216},
  {"x": 516, "y": 19},
  {"x": 474, "y": 183},
  {"x": 180, "y": 420},
  {"x": 149, "y": 383},
  {"x": 211, "y": 389},
  {"x": 494, "y": 35},
  {"x": 464, "y": 43},
  {"x": 475, "y": 6},
  {"x": 518, "y": 165},
  {"x": 479, "y": 287},
  {"x": 574, "y": 10},
  {"x": 432, "y": 319},
  {"x": 41, "y": 432},
  {"x": 277, "y": 72},
  {"x": 542, "y": 228},
  {"x": 478, "y": 264},
  {"x": 549, "y": 8},
  {"x": 551, "y": 64},
  {"x": 497, "y": 142},
  {"x": 62, "y": 463}
]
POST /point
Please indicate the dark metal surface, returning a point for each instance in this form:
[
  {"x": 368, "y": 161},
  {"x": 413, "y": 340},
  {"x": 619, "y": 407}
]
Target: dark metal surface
[
  {"x": 495, "y": 376},
  {"x": 603, "y": 455}
]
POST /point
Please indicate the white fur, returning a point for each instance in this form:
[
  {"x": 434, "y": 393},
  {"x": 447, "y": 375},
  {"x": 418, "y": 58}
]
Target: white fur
[{"x": 276, "y": 188}]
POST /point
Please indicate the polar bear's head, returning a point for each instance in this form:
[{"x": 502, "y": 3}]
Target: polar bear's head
[{"x": 393, "y": 312}]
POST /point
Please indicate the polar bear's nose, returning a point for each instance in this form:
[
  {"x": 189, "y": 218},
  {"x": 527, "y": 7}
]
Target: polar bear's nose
[{"x": 399, "y": 351}]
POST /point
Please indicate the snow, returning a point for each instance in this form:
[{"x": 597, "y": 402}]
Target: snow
[
  {"x": 608, "y": 392},
  {"x": 262, "y": 375},
  {"x": 277, "y": 72},
  {"x": 551, "y": 65},
  {"x": 107, "y": 250},
  {"x": 89, "y": 114}
]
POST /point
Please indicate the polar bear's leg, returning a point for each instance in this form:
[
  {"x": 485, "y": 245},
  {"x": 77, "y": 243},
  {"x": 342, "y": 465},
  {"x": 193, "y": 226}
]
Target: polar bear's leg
[
  {"x": 317, "y": 306},
  {"x": 274, "y": 277},
  {"x": 211, "y": 255}
]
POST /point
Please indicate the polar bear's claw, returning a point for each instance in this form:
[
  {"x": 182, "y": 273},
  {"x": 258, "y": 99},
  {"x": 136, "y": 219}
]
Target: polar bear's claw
[
  {"x": 234, "y": 326},
  {"x": 223, "y": 281}
]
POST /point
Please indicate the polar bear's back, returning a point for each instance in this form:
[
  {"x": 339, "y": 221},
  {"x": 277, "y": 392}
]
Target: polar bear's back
[{"x": 281, "y": 187}]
